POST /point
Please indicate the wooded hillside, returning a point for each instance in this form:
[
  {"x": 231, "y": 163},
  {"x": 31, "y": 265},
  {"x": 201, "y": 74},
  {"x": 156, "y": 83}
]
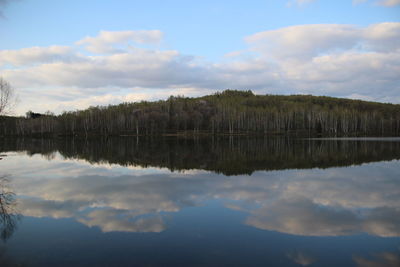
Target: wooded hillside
[{"x": 229, "y": 112}]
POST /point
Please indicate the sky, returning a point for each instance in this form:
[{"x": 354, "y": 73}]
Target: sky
[{"x": 67, "y": 55}]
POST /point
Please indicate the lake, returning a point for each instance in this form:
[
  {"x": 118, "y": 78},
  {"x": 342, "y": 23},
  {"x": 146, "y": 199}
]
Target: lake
[{"x": 226, "y": 201}]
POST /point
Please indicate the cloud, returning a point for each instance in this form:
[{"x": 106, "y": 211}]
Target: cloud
[
  {"x": 323, "y": 59},
  {"x": 356, "y": 2},
  {"x": 302, "y": 2},
  {"x": 333, "y": 59},
  {"x": 137, "y": 68},
  {"x": 385, "y": 3},
  {"x": 383, "y": 37},
  {"x": 36, "y": 55},
  {"x": 64, "y": 98},
  {"x": 389, "y": 3},
  {"x": 299, "y": 2},
  {"x": 304, "y": 42},
  {"x": 103, "y": 43}
]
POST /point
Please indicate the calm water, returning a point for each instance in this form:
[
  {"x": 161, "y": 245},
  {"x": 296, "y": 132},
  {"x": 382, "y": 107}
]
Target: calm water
[{"x": 203, "y": 202}]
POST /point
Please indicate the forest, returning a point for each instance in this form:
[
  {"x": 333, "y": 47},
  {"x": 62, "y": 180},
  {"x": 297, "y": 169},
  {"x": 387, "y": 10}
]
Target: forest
[{"x": 230, "y": 112}]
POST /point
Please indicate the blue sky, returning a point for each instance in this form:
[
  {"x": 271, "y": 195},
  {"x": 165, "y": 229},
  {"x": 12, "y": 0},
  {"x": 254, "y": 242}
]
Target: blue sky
[{"x": 195, "y": 48}]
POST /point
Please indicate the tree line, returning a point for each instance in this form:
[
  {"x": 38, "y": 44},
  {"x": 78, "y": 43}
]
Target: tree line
[{"x": 228, "y": 112}]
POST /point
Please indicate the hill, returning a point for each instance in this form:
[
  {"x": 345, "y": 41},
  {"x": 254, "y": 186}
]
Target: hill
[{"x": 229, "y": 112}]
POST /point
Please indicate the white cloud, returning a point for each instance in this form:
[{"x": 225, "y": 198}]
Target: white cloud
[
  {"x": 303, "y": 42},
  {"x": 36, "y": 55},
  {"x": 299, "y": 2},
  {"x": 389, "y": 3},
  {"x": 385, "y": 3},
  {"x": 383, "y": 37},
  {"x": 136, "y": 68},
  {"x": 356, "y": 2},
  {"x": 337, "y": 60},
  {"x": 302, "y": 2},
  {"x": 327, "y": 59},
  {"x": 103, "y": 43},
  {"x": 101, "y": 97}
]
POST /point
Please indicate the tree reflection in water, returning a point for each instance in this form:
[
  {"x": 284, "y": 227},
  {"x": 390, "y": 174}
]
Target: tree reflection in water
[
  {"x": 229, "y": 156},
  {"x": 8, "y": 214}
]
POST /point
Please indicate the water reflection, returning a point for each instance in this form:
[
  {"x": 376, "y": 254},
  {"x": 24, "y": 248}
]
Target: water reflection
[
  {"x": 230, "y": 156},
  {"x": 301, "y": 258},
  {"x": 287, "y": 211},
  {"x": 301, "y": 216},
  {"x": 8, "y": 213},
  {"x": 386, "y": 259},
  {"x": 331, "y": 202}
]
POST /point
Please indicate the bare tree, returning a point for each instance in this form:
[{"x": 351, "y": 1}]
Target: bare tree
[
  {"x": 7, "y": 99},
  {"x": 8, "y": 214}
]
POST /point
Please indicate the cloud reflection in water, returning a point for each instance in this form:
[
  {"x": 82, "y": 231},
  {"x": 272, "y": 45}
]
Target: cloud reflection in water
[{"x": 331, "y": 202}]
